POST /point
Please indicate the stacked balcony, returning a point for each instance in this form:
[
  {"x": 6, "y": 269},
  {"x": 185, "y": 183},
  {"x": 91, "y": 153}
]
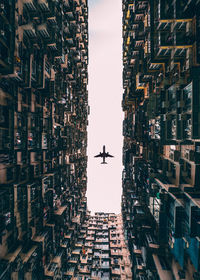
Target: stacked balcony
[
  {"x": 161, "y": 137},
  {"x": 100, "y": 251},
  {"x": 43, "y": 132},
  {"x": 7, "y": 36}
]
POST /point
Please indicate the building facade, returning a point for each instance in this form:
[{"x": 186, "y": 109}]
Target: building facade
[
  {"x": 43, "y": 135},
  {"x": 101, "y": 251},
  {"x": 161, "y": 129}
]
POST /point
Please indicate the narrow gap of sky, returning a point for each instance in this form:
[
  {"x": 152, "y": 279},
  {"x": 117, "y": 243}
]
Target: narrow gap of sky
[{"x": 105, "y": 96}]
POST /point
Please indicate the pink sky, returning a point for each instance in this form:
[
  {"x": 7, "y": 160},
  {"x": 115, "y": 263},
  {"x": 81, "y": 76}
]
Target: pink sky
[{"x": 105, "y": 96}]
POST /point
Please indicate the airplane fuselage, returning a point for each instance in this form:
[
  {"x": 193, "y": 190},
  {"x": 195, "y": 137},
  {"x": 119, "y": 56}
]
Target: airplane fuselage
[
  {"x": 104, "y": 155},
  {"x": 103, "y": 160}
]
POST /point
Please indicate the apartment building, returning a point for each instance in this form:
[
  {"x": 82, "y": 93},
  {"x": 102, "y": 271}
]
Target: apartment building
[
  {"x": 161, "y": 129},
  {"x": 101, "y": 251},
  {"x": 43, "y": 135}
]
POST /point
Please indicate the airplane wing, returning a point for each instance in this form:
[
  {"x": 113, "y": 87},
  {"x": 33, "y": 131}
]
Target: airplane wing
[
  {"x": 108, "y": 155},
  {"x": 99, "y": 155}
]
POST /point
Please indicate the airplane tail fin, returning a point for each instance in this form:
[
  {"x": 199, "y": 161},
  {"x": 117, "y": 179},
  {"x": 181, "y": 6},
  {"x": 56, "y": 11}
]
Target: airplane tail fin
[{"x": 103, "y": 162}]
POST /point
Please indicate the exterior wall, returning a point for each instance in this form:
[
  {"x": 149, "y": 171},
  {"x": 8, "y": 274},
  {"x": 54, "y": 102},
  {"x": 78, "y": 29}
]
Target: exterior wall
[
  {"x": 43, "y": 135},
  {"x": 160, "y": 200},
  {"x": 101, "y": 251}
]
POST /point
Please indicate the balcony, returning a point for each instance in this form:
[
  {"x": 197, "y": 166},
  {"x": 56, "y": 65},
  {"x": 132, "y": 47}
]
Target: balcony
[
  {"x": 35, "y": 170},
  {"x": 43, "y": 31},
  {"x": 52, "y": 21},
  {"x": 139, "y": 264},
  {"x": 184, "y": 40},
  {"x": 173, "y": 95},
  {"x": 70, "y": 15},
  {"x": 60, "y": 212},
  {"x": 7, "y": 174},
  {"x": 171, "y": 127},
  {"x": 192, "y": 207},
  {"x": 164, "y": 11},
  {"x": 32, "y": 259},
  {"x": 70, "y": 270},
  {"x": 6, "y": 214},
  {"x": 189, "y": 173},
  {"x": 6, "y": 10},
  {"x": 189, "y": 155},
  {"x": 164, "y": 25},
  {"x": 4, "y": 270},
  {"x": 187, "y": 128},
  {"x": 164, "y": 45},
  {"x": 174, "y": 155},
  {"x": 52, "y": 271},
  {"x": 30, "y": 6},
  {"x": 7, "y": 34},
  {"x": 44, "y": 5},
  {"x": 195, "y": 219},
  {"x": 29, "y": 31}
]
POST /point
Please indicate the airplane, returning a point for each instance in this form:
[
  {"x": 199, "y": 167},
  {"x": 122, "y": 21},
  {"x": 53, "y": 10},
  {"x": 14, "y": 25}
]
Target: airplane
[{"x": 104, "y": 155}]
